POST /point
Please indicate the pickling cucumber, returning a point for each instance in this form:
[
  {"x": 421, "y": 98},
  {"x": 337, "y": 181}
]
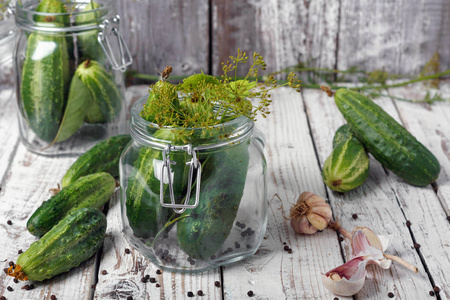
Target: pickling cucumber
[
  {"x": 204, "y": 229},
  {"x": 106, "y": 100},
  {"x": 389, "y": 142},
  {"x": 89, "y": 191},
  {"x": 103, "y": 157},
  {"x": 70, "y": 242},
  {"x": 45, "y": 76},
  {"x": 348, "y": 165}
]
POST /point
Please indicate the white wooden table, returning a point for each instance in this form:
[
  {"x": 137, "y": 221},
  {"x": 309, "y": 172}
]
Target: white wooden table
[{"x": 299, "y": 133}]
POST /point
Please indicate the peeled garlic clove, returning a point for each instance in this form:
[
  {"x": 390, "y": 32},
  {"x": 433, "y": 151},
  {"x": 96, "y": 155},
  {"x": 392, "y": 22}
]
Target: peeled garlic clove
[
  {"x": 347, "y": 279},
  {"x": 317, "y": 221}
]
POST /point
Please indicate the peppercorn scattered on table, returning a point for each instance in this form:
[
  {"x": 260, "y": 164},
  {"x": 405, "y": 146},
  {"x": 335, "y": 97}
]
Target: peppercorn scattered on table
[{"x": 299, "y": 133}]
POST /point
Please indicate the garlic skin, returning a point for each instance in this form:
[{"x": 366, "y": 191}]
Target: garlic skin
[{"x": 310, "y": 214}]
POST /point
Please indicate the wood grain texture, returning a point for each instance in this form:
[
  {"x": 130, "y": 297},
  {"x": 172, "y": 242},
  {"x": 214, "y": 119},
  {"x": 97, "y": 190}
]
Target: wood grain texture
[
  {"x": 161, "y": 33},
  {"x": 292, "y": 169},
  {"x": 284, "y": 32},
  {"x": 396, "y": 36},
  {"x": 9, "y": 129},
  {"x": 382, "y": 204}
]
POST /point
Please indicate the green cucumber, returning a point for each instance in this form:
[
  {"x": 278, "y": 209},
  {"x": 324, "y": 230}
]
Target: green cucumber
[
  {"x": 103, "y": 157},
  {"x": 145, "y": 214},
  {"x": 342, "y": 134},
  {"x": 72, "y": 241},
  {"x": 389, "y": 142},
  {"x": 348, "y": 165},
  {"x": 202, "y": 231},
  {"x": 106, "y": 100},
  {"x": 45, "y": 77},
  {"x": 87, "y": 41},
  {"x": 88, "y": 191}
]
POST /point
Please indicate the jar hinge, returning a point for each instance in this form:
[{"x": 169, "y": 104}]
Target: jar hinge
[
  {"x": 124, "y": 52},
  {"x": 194, "y": 164}
]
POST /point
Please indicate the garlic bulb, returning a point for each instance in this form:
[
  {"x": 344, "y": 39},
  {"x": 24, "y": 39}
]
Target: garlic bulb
[{"x": 310, "y": 214}]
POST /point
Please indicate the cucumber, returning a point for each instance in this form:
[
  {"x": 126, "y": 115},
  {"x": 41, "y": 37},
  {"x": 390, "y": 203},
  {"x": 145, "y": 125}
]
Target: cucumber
[
  {"x": 389, "y": 142},
  {"x": 204, "y": 229},
  {"x": 145, "y": 214},
  {"x": 88, "y": 191},
  {"x": 348, "y": 165},
  {"x": 45, "y": 77},
  {"x": 106, "y": 100},
  {"x": 103, "y": 157},
  {"x": 72, "y": 241},
  {"x": 342, "y": 134},
  {"x": 87, "y": 42}
]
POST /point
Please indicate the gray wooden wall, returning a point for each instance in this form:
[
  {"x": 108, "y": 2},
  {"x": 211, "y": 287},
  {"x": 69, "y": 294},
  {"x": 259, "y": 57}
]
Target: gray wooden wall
[{"x": 399, "y": 36}]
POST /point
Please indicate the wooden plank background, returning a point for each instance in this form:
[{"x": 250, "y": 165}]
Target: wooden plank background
[{"x": 396, "y": 36}]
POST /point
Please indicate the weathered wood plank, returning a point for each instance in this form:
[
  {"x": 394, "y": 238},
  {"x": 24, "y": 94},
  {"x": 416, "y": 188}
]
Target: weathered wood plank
[
  {"x": 9, "y": 129},
  {"x": 125, "y": 271},
  {"x": 284, "y": 32},
  {"x": 292, "y": 169},
  {"x": 161, "y": 33},
  {"x": 396, "y": 36},
  {"x": 383, "y": 204},
  {"x": 25, "y": 187}
]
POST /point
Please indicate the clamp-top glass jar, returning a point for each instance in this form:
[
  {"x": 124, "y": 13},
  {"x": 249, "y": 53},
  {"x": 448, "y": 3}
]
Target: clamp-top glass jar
[
  {"x": 193, "y": 199},
  {"x": 69, "y": 64}
]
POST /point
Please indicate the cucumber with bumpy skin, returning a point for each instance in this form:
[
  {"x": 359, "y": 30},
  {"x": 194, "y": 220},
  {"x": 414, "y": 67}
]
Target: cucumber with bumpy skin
[
  {"x": 348, "y": 165},
  {"x": 389, "y": 142},
  {"x": 202, "y": 231},
  {"x": 144, "y": 212},
  {"x": 342, "y": 134},
  {"x": 72, "y": 241},
  {"x": 106, "y": 100},
  {"x": 103, "y": 157},
  {"x": 45, "y": 76},
  {"x": 88, "y": 191}
]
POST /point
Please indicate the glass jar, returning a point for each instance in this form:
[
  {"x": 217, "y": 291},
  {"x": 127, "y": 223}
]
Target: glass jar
[
  {"x": 193, "y": 199},
  {"x": 6, "y": 52},
  {"x": 69, "y": 76}
]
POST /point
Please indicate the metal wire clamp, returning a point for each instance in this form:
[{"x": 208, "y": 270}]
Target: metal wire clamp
[
  {"x": 194, "y": 164},
  {"x": 124, "y": 52}
]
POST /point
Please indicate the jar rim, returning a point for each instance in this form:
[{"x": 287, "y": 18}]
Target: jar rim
[
  {"x": 236, "y": 130},
  {"x": 26, "y": 17}
]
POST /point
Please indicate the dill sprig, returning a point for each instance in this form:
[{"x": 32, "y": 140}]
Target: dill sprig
[{"x": 206, "y": 101}]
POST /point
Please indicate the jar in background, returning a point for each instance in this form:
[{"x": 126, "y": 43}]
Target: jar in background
[
  {"x": 193, "y": 199},
  {"x": 7, "y": 28},
  {"x": 69, "y": 68}
]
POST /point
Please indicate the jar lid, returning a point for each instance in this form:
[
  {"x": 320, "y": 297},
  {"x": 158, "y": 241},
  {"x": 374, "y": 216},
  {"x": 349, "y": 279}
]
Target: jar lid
[
  {"x": 222, "y": 135},
  {"x": 75, "y": 20}
]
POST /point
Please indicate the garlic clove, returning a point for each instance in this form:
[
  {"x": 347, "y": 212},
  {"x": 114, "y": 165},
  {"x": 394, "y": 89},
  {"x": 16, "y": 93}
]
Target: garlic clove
[
  {"x": 322, "y": 210},
  {"x": 303, "y": 226},
  {"x": 347, "y": 279},
  {"x": 317, "y": 221},
  {"x": 362, "y": 238}
]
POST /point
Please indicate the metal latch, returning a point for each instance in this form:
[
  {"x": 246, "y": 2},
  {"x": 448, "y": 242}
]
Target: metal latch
[
  {"x": 194, "y": 164},
  {"x": 125, "y": 58}
]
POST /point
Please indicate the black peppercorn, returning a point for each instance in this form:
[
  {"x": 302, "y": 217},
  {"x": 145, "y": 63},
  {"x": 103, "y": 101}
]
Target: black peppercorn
[
  {"x": 436, "y": 289},
  {"x": 217, "y": 284},
  {"x": 20, "y": 251},
  {"x": 130, "y": 298},
  {"x": 152, "y": 279},
  {"x": 2, "y": 298},
  {"x": 9, "y": 222},
  {"x": 250, "y": 293},
  {"x": 355, "y": 216},
  {"x": 431, "y": 293},
  {"x": 104, "y": 272},
  {"x": 190, "y": 294},
  {"x": 53, "y": 297},
  {"x": 158, "y": 272},
  {"x": 157, "y": 285},
  {"x": 26, "y": 287},
  {"x": 10, "y": 289},
  {"x": 16, "y": 280},
  {"x": 416, "y": 245},
  {"x": 200, "y": 293},
  {"x": 391, "y": 295},
  {"x": 408, "y": 223},
  {"x": 127, "y": 251},
  {"x": 340, "y": 239}
]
